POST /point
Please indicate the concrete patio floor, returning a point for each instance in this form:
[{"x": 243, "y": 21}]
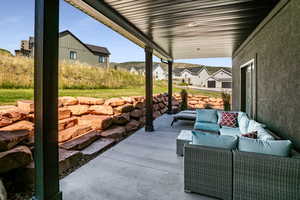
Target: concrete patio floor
[{"x": 142, "y": 167}]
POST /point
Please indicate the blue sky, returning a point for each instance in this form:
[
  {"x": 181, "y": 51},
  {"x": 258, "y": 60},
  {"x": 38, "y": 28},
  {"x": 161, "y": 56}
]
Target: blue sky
[{"x": 17, "y": 20}]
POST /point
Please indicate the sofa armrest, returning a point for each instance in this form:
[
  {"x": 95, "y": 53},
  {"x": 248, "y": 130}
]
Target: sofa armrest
[
  {"x": 260, "y": 176},
  {"x": 208, "y": 171}
]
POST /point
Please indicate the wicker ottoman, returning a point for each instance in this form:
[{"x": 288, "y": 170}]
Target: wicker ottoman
[{"x": 184, "y": 137}]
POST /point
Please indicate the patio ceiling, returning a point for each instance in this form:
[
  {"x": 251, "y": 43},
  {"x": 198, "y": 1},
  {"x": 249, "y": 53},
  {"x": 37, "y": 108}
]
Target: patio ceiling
[{"x": 181, "y": 29}]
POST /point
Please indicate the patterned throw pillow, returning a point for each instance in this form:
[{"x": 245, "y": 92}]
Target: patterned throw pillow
[
  {"x": 252, "y": 135},
  {"x": 229, "y": 119}
]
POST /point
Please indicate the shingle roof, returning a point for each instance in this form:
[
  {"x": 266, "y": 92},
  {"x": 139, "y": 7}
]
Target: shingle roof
[
  {"x": 92, "y": 48},
  {"x": 98, "y": 49},
  {"x": 195, "y": 70}
]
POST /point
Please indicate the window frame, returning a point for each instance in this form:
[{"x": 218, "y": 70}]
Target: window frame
[
  {"x": 73, "y": 55},
  {"x": 101, "y": 59}
]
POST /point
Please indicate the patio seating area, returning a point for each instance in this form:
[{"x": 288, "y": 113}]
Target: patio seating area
[
  {"x": 262, "y": 39},
  {"x": 143, "y": 166}
]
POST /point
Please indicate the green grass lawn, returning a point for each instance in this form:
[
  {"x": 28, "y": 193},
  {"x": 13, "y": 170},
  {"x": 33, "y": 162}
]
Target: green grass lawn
[{"x": 10, "y": 96}]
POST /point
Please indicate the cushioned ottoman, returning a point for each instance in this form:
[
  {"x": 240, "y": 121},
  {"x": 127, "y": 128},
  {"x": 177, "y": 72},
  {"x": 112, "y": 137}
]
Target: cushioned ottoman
[{"x": 184, "y": 137}]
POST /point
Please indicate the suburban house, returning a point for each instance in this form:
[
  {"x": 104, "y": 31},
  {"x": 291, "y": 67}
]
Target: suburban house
[
  {"x": 204, "y": 76},
  {"x": 71, "y": 48},
  {"x": 159, "y": 73}
]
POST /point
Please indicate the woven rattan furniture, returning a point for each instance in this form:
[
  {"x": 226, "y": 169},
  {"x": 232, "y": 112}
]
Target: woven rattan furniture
[
  {"x": 188, "y": 115},
  {"x": 265, "y": 177},
  {"x": 184, "y": 137},
  {"x": 208, "y": 171}
]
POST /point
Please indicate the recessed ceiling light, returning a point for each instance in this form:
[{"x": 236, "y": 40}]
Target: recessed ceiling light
[{"x": 192, "y": 24}]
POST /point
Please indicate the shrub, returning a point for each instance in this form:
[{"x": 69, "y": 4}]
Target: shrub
[
  {"x": 208, "y": 106},
  {"x": 226, "y": 97},
  {"x": 184, "y": 100}
]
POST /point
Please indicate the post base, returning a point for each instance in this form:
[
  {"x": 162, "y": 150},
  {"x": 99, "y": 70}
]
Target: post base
[
  {"x": 58, "y": 196},
  {"x": 170, "y": 112},
  {"x": 149, "y": 128}
]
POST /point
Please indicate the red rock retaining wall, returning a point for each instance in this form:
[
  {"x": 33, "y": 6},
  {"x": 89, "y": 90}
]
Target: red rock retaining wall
[
  {"x": 86, "y": 127},
  {"x": 200, "y": 101},
  {"x": 82, "y": 122}
]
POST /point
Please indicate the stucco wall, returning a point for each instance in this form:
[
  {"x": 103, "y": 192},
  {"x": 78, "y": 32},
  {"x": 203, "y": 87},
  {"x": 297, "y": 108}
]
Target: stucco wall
[{"x": 276, "y": 48}]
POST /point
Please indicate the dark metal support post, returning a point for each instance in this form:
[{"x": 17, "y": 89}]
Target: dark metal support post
[
  {"x": 170, "y": 82},
  {"x": 46, "y": 100},
  {"x": 149, "y": 90}
]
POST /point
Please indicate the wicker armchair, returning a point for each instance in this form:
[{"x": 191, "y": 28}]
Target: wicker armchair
[
  {"x": 208, "y": 171},
  {"x": 265, "y": 177}
]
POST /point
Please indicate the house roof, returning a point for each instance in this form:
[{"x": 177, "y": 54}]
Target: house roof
[
  {"x": 98, "y": 49},
  {"x": 93, "y": 48},
  {"x": 196, "y": 70}
]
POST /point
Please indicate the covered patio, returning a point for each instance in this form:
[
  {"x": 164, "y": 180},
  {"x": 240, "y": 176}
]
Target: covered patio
[{"x": 145, "y": 165}]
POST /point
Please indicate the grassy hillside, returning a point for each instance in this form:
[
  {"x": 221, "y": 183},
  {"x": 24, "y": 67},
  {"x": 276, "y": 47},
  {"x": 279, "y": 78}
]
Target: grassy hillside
[
  {"x": 5, "y": 52},
  {"x": 17, "y": 72}
]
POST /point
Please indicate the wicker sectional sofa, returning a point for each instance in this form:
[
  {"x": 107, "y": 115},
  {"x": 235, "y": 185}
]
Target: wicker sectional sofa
[
  {"x": 208, "y": 171},
  {"x": 258, "y": 176},
  {"x": 239, "y": 175}
]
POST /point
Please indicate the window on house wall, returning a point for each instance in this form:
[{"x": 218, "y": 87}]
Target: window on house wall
[
  {"x": 226, "y": 84},
  {"x": 211, "y": 84},
  {"x": 101, "y": 59},
  {"x": 73, "y": 55}
]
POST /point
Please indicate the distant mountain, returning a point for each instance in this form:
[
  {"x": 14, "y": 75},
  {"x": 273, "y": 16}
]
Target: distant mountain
[{"x": 5, "y": 52}]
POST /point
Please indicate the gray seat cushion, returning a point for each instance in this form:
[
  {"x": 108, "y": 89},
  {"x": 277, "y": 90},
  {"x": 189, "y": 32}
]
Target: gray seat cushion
[
  {"x": 185, "y": 116},
  {"x": 230, "y": 131}
]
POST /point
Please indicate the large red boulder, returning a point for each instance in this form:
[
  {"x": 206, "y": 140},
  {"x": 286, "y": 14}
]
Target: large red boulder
[
  {"x": 68, "y": 101},
  {"x": 90, "y": 101},
  {"x": 101, "y": 110},
  {"x": 15, "y": 158},
  {"x": 26, "y": 105},
  {"x": 123, "y": 109},
  {"x": 67, "y": 123},
  {"x": 121, "y": 119},
  {"x": 97, "y": 122},
  {"x": 20, "y": 125},
  {"x": 9, "y": 139},
  {"x": 79, "y": 109},
  {"x": 80, "y": 142},
  {"x": 136, "y": 113},
  {"x": 115, "y": 132},
  {"x": 115, "y": 102},
  {"x": 73, "y": 132},
  {"x": 64, "y": 113},
  {"x": 132, "y": 126}
]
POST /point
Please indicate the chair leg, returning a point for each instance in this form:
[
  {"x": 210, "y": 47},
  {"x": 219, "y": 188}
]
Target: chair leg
[{"x": 174, "y": 120}]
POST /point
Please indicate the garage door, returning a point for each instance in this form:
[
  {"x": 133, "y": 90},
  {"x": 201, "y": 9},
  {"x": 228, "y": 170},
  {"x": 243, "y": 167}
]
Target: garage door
[
  {"x": 211, "y": 84},
  {"x": 226, "y": 84}
]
